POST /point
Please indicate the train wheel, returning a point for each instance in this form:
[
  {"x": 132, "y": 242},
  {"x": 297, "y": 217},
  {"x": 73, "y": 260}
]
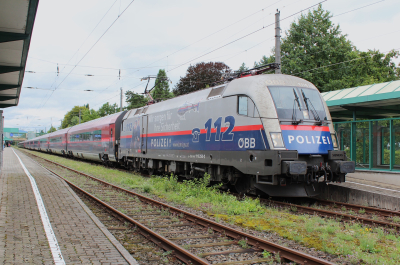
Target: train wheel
[
  {"x": 151, "y": 171},
  {"x": 242, "y": 185}
]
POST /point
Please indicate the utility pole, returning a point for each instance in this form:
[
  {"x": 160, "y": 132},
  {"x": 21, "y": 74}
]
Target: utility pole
[
  {"x": 278, "y": 42},
  {"x": 120, "y": 104},
  {"x": 79, "y": 116}
]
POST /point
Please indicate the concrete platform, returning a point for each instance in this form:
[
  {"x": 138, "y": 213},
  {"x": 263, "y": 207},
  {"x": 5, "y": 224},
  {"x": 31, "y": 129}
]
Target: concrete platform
[
  {"x": 368, "y": 188},
  {"x": 24, "y": 239}
]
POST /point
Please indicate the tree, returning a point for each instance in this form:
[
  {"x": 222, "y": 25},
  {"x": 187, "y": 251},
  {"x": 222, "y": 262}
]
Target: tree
[
  {"x": 315, "y": 49},
  {"x": 88, "y": 115},
  {"x": 243, "y": 67},
  {"x": 52, "y": 129},
  {"x": 70, "y": 115},
  {"x": 74, "y": 121},
  {"x": 266, "y": 60},
  {"x": 161, "y": 87},
  {"x": 314, "y": 42},
  {"x": 372, "y": 67},
  {"x": 134, "y": 100},
  {"x": 108, "y": 109},
  {"x": 200, "y": 76}
]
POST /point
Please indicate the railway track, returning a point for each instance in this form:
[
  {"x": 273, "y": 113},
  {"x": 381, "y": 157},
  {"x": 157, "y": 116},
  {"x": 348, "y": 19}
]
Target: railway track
[
  {"x": 345, "y": 211},
  {"x": 184, "y": 236},
  {"x": 143, "y": 250}
]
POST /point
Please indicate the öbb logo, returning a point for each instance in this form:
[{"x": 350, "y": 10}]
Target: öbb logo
[{"x": 247, "y": 143}]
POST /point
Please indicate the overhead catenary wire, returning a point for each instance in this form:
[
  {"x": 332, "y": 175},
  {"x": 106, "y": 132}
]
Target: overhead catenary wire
[
  {"x": 90, "y": 34},
  {"x": 107, "y": 100},
  {"x": 89, "y": 50},
  {"x": 358, "y": 8},
  {"x": 144, "y": 67},
  {"x": 215, "y": 32},
  {"x": 274, "y": 24},
  {"x": 301, "y": 11},
  {"x": 200, "y": 40},
  {"x": 355, "y": 59},
  {"x": 251, "y": 33},
  {"x": 55, "y": 80},
  {"x": 96, "y": 42},
  {"x": 208, "y": 81}
]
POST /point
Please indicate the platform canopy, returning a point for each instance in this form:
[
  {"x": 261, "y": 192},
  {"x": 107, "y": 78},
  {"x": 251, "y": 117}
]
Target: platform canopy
[
  {"x": 16, "y": 24},
  {"x": 375, "y": 101}
]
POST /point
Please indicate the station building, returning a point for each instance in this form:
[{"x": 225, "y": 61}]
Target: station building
[
  {"x": 14, "y": 135},
  {"x": 367, "y": 123}
]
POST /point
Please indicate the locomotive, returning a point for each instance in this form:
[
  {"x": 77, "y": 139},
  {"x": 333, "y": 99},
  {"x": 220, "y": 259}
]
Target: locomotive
[{"x": 260, "y": 133}]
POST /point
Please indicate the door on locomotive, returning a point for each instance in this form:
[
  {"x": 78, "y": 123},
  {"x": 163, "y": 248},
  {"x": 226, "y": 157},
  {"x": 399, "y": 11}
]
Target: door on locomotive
[{"x": 144, "y": 134}]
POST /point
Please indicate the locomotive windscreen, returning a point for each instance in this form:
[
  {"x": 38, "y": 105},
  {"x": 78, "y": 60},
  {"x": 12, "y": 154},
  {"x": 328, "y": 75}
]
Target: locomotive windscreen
[{"x": 298, "y": 103}]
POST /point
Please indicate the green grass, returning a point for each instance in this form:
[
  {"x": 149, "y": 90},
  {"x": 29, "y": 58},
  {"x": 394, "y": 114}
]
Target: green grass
[{"x": 357, "y": 243}]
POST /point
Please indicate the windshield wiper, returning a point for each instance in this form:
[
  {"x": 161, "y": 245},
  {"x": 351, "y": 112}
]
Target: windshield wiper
[
  {"x": 296, "y": 99},
  {"x": 312, "y": 109}
]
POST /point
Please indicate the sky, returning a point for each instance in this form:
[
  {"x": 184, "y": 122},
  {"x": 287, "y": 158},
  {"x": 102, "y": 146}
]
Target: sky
[{"x": 106, "y": 45}]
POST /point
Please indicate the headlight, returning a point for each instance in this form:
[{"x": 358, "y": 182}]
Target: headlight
[
  {"x": 334, "y": 140},
  {"x": 277, "y": 140}
]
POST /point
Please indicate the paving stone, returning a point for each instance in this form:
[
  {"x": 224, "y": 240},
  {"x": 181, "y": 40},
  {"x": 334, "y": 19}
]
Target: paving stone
[{"x": 22, "y": 236}]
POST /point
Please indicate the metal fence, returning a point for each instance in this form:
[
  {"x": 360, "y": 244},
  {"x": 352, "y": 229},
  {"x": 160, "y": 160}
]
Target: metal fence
[{"x": 372, "y": 144}]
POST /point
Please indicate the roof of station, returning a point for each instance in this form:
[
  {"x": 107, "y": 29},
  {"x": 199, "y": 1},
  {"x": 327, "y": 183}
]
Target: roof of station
[
  {"x": 16, "y": 24},
  {"x": 11, "y": 130},
  {"x": 371, "y": 101}
]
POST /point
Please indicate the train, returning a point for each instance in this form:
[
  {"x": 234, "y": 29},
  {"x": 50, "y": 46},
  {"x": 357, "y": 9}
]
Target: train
[{"x": 259, "y": 134}]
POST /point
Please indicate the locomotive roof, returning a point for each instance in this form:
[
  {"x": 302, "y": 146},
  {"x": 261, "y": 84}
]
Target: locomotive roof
[{"x": 238, "y": 86}]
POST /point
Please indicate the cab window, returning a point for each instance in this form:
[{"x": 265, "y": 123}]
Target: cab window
[
  {"x": 242, "y": 105},
  {"x": 246, "y": 107}
]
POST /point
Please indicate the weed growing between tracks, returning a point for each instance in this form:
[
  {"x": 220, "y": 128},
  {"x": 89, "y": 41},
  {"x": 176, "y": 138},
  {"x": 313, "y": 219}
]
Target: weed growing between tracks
[{"x": 359, "y": 244}]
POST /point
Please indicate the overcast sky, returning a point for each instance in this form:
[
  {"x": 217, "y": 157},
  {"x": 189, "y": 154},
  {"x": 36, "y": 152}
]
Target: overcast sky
[{"x": 146, "y": 36}]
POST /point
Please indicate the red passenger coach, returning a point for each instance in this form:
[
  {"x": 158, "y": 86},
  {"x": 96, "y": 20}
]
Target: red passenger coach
[
  {"x": 58, "y": 141},
  {"x": 97, "y": 139},
  {"x": 40, "y": 143}
]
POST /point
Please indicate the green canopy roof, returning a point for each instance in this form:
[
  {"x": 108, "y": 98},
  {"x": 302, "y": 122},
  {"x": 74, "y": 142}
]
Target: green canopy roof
[
  {"x": 371, "y": 101},
  {"x": 11, "y": 130}
]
